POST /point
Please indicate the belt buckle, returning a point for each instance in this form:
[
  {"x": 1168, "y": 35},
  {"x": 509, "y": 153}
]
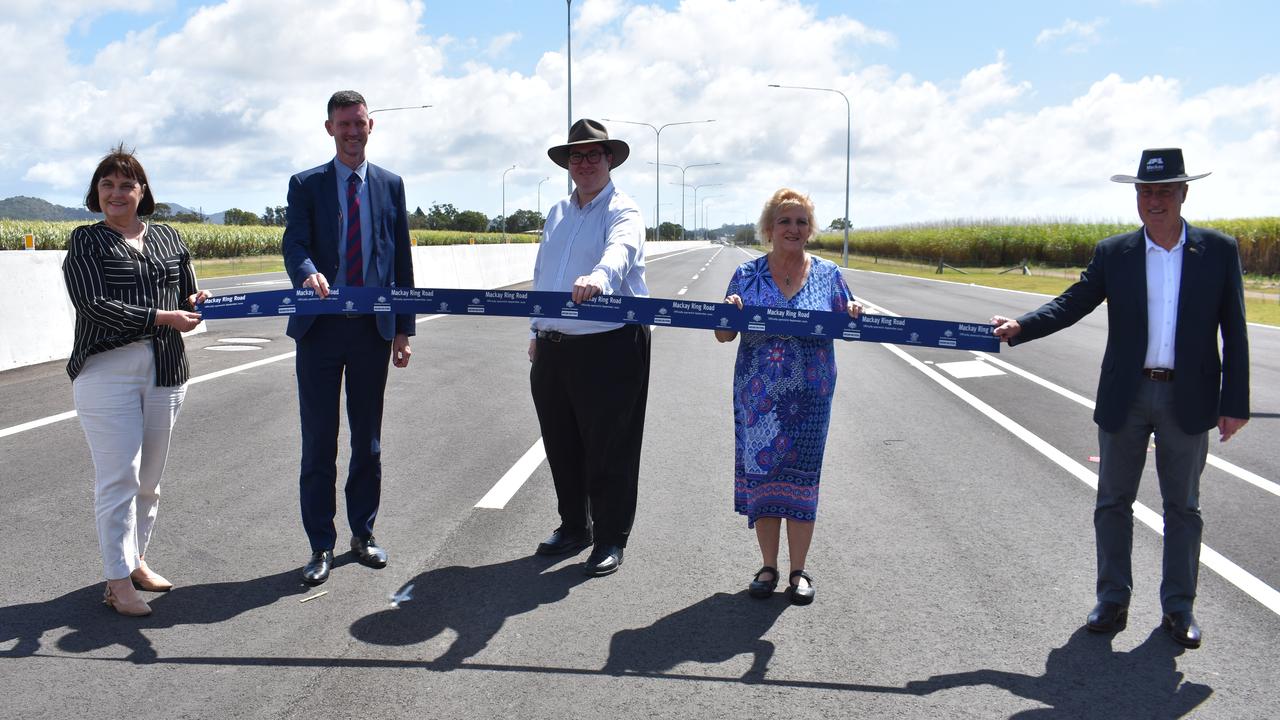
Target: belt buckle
[
  {"x": 1160, "y": 374},
  {"x": 554, "y": 336}
]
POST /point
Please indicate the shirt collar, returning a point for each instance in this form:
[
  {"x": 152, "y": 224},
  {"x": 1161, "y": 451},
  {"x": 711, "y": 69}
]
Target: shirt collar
[
  {"x": 344, "y": 172},
  {"x": 603, "y": 196},
  {"x": 1182, "y": 240}
]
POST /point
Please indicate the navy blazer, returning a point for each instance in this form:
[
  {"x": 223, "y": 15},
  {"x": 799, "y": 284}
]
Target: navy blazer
[
  {"x": 1210, "y": 298},
  {"x": 310, "y": 243}
]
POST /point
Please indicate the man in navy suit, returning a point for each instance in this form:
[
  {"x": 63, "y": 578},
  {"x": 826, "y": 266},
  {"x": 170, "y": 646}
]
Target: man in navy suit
[
  {"x": 346, "y": 226},
  {"x": 1170, "y": 289}
]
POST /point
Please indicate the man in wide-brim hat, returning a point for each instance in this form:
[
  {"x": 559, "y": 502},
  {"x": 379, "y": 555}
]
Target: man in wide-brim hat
[
  {"x": 590, "y": 380},
  {"x": 1170, "y": 288}
]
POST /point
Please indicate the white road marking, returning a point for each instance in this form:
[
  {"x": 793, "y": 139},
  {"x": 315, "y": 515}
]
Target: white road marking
[
  {"x": 506, "y": 487},
  {"x": 1268, "y": 596},
  {"x": 243, "y": 340},
  {"x": 32, "y": 425},
  {"x": 1227, "y": 467},
  {"x": 683, "y": 290},
  {"x": 37, "y": 423},
  {"x": 965, "y": 369},
  {"x": 232, "y": 348}
]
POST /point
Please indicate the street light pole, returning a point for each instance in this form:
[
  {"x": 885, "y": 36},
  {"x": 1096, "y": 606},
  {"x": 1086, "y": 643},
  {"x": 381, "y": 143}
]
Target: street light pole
[
  {"x": 504, "y": 201},
  {"x": 540, "y": 195},
  {"x": 682, "y": 170},
  {"x": 657, "y": 160},
  {"x": 848, "y": 154},
  {"x": 706, "y": 231},
  {"x": 695, "y": 201},
  {"x": 568, "y": 34}
]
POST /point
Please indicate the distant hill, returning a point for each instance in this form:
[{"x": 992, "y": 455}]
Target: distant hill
[
  {"x": 22, "y": 207},
  {"x": 30, "y": 208}
]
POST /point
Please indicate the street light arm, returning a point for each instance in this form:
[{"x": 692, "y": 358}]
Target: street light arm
[
  {"x": 408, "y": 107},
  {"x": 848, "y": 153}
]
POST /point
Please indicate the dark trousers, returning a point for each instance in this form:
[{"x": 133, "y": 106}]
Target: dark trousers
[
  {"x": 590, "y": 392},
  {"x": 335, "y": 350},
  {"x": 1180, "y": 459}
]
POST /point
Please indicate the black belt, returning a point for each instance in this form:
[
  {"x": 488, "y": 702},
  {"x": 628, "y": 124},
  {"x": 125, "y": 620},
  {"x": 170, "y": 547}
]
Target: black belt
[
  {"x": 556, "y": 336},
  {"x": 1159, "y": 374}
]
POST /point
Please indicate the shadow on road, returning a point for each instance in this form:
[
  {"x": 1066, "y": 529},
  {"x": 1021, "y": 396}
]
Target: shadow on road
[
  {"x": 713, "y": 630},
  {"x": 1086, "y": 679},
  {"x": 94, "y": 626},
  {"x": 474, "y": 602}
]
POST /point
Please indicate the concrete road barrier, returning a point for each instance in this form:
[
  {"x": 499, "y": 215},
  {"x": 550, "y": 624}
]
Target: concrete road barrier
[{"x": 37, "y": 320}]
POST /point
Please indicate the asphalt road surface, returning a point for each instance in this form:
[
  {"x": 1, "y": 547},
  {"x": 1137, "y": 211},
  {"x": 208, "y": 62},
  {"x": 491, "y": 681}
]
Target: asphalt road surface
[{"x": 953, "y": 557}]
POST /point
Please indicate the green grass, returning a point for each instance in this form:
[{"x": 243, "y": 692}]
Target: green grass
[{"x": 1262, "y": 302}]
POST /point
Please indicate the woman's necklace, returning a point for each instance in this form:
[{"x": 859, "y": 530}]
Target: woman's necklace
[{"x": 787, "y": 276}]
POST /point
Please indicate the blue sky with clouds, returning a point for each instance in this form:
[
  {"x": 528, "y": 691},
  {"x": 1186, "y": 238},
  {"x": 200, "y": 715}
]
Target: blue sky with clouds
[{"x": 979, "y": 109}]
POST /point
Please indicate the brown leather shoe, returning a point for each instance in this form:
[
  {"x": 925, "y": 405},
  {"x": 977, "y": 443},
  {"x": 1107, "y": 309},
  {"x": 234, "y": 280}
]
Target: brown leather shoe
[
  {"x": 124, "y": 599},
  {"x": 144, "y": 578}
]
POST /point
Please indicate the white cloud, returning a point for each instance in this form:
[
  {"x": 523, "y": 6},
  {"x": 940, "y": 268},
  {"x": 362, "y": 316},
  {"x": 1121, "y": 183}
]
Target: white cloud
[
  {"x": 500, "y": 43},
  {"x": 226, "y": 107},
  {"x": 1077, "y": 36}
]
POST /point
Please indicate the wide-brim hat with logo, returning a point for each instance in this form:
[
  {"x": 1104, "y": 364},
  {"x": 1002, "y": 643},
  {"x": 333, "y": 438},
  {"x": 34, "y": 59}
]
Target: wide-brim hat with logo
[
  {"x": 1162, "y": 165},
  {"x": 587, "y": 132}
]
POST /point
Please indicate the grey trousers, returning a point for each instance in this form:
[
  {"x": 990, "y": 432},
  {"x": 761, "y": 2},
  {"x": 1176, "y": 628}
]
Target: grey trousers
[{"x": 1180, "y": 459}]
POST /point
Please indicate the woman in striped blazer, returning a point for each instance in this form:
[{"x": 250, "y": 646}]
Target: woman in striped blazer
[{"x": 134, "y": 293}]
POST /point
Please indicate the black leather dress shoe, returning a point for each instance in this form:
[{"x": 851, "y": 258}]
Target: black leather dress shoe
[
  {"x": 317, "y": 568},
  {"x": 1183, "y": 628},
  {"x": 604, "y": 560},
  {"x": 1107, "y": 617},
  {"x": 368, "y": 553},
  {"x": 563, "y": 542}
]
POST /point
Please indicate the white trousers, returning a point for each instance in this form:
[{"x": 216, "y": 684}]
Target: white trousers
[{"x": 128, "y": 422}]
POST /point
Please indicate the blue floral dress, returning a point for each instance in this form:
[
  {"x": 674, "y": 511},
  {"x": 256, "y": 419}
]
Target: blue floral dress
[{"x": 782, "y": 390}]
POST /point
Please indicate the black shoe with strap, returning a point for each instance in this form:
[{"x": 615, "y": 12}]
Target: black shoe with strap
[
  {"x": 800, "y": 595},
  {"x": 761, "y": 589}
]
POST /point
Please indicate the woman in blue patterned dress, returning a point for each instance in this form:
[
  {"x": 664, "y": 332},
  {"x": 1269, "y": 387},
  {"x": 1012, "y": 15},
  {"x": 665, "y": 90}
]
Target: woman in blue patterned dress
[{"x": 782, "y": 390}]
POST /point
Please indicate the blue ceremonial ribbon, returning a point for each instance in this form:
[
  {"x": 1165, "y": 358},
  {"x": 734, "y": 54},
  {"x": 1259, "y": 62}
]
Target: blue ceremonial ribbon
[{"x": 666, "y": 312}]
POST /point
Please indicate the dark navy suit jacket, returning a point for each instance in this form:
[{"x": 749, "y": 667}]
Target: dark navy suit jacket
[
  {"x": 1210, "y": 299},
  {"x": 310, "y": 243}
]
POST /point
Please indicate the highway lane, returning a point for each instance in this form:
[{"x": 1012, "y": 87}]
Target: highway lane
[{"x": 954, "y": 563}]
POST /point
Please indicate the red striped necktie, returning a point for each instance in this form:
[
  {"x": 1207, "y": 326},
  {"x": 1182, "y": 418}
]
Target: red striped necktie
[{"x": 355, "y": 256}]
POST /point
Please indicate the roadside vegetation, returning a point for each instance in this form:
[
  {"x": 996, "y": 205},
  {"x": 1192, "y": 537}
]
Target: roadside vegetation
[{"x": 1043, "y": 257}]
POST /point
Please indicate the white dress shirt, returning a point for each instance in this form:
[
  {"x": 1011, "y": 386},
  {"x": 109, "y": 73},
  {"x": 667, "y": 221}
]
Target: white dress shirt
[
  {"x": 605, "y": 240},
  {"x": 1164, "y": 277}
]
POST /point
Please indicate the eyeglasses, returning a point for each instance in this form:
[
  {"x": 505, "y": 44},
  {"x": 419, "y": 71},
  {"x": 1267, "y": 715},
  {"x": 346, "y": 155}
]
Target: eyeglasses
[{"x": 593, "y": 157}]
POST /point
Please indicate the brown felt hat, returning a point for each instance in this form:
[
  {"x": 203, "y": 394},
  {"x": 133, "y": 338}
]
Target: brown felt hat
[{"x": 587, "y": 132}]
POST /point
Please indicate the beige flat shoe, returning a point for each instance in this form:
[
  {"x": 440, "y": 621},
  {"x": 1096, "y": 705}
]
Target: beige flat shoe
[
  {"x": 144, "y": 578},
  {"x": 132, "y": 607}
]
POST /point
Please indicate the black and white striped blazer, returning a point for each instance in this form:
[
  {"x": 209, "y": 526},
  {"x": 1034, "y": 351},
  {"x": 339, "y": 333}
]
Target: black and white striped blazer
[{"x": 117, "y": 291}]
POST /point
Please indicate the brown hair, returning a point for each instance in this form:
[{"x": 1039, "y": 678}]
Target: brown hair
[
  {"x": 120, "y": 162},
  {"x": 786, "y": 197},
  {"x": 342, "y": 99}
]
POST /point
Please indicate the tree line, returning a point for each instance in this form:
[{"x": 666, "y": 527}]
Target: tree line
[{"x": 444, "y": 216}]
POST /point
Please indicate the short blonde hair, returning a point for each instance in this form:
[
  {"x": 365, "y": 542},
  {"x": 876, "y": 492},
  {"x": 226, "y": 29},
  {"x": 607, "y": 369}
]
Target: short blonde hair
[{"x": 784, "y": 198}]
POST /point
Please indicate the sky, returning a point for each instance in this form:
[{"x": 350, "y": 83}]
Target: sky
[{"x": 987, "y": 109}]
